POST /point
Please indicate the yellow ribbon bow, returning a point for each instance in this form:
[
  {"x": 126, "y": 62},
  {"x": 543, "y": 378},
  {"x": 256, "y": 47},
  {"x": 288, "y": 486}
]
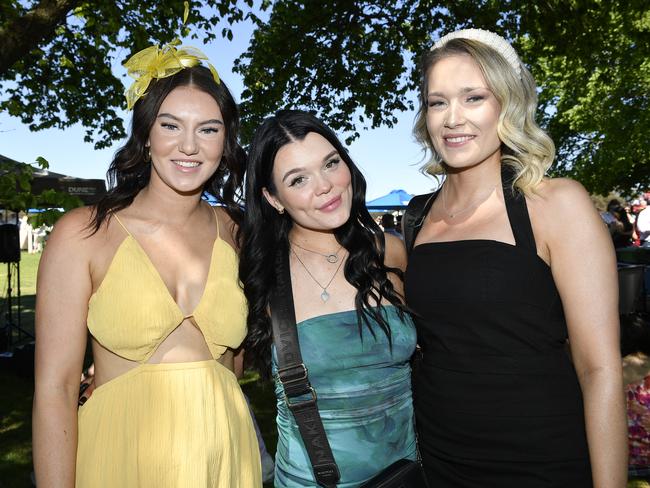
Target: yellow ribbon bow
[{"x": 154, "y": 62}]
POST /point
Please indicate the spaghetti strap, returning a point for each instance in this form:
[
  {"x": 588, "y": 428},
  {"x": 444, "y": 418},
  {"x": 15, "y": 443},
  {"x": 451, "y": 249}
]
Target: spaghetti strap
[
  {"x": 123, "y": 226},
  {"x": 216, "y": 218},
  {"x": 517, "y": 210}
]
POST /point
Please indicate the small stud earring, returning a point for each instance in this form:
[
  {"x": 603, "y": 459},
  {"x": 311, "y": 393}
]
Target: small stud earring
[
  {"x": 147, "y": 155},
  {"x": 280, "y": 211}
]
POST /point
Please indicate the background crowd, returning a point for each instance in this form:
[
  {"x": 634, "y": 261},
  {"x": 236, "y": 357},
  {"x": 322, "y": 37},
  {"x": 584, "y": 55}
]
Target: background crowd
[{"x": 628, "y": 221}]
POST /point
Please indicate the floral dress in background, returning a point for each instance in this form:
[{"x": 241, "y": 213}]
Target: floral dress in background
[{"x": 638, "y": 421}]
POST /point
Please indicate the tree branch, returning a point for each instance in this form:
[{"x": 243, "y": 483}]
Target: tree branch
[{"x": 22, "y": 34}]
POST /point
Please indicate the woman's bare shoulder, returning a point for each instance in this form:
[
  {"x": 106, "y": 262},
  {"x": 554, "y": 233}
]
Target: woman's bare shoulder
[
  {"x": 560, "y": 191},
  {"x": 228, "y": 228},
  {"x": 75, "y": 225},
  {"x": 74, "y": 233},
  {"x": 561, "y": 197},
  {"x": 72, "y": 240}
]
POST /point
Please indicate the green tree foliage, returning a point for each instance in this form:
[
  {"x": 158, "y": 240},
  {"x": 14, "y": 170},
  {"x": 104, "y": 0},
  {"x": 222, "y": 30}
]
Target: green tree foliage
[
  {"x": 349, "y": 61},
  {"x": 355, "y": 63},
  {"x": 352, "y": 61},
  {"x": 592, "y": 60},
  {"x": 57, "y": 55},
  {"x": 15, "y": 192}
]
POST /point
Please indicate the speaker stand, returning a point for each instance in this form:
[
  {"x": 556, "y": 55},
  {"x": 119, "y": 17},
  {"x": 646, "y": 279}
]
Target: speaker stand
[{"x": 10, "y": 327}]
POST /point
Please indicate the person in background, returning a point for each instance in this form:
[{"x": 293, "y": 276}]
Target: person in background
[
  {"x": 643, "y": 222},
  {"x": 388, "y": 224},
  {"x": 39, "y": 237},
  {"x": 620, "y": 226},
  {"x": 25, "y": 234},
  {"x": 151, "y": 272},
  {"x": 498, "y": 283}
]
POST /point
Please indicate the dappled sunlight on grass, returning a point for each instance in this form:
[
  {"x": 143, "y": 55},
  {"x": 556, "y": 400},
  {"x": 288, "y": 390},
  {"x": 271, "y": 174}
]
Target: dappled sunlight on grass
[
  {"x": 14, "y": 420},
  {"x": 28, "y": 267}
]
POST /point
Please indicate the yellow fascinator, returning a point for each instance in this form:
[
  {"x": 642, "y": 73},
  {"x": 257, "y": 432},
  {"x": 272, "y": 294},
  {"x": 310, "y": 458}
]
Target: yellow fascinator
[{"x": 155, "y": 62}]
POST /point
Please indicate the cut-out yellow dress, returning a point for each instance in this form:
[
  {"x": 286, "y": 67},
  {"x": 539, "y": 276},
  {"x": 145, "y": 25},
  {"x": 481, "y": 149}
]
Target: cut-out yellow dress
[{"x": 171, "y": 424}]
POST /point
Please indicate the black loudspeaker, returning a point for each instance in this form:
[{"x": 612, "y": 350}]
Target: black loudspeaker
[
  {"x": 9, "y": 244},
  {"x": 630, "y": 288}
]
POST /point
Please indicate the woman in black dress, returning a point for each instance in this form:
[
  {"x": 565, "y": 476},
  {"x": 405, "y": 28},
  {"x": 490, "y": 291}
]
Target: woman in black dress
[{"x": 507, "y": 266}]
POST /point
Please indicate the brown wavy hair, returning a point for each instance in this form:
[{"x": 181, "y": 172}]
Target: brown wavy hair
[{"x": 130, "y": 169}]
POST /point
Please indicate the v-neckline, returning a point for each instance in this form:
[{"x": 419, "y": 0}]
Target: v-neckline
[{"x": 160, "y": 280}]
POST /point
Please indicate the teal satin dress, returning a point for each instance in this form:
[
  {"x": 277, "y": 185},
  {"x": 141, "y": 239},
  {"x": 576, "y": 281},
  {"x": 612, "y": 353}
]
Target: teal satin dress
[{"x": 364, "y": 398}]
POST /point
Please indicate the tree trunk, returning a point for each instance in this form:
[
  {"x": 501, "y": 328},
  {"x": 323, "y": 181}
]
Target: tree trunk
[{"x": 22, "y": 34}]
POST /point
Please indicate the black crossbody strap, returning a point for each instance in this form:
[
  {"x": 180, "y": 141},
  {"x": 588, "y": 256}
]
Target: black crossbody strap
[
  {"x": 417, "y": 210},
  {"x": 299, "y": 395}
]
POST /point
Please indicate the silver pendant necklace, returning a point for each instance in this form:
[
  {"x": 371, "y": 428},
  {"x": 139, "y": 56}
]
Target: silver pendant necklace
[
  {"x": 332, "y": 257},
  {"x": 475, "y": 203},
  {"x": 324, "y": 294}
]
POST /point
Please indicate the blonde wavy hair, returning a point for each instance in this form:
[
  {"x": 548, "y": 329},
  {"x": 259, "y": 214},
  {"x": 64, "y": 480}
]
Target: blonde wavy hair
[{"x": 524, "y": 145}]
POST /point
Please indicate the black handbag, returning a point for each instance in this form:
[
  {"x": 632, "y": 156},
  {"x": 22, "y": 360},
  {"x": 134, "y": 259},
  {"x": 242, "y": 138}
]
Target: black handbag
[
  {"x": 300, "y": 396},
  {"x": 404, "y": 473}
]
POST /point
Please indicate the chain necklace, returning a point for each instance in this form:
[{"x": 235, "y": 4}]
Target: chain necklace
[
  {"x": 332, "y": 257},
  {"x": 324, "y": 295},
  {"x": 451, "y": 215}
]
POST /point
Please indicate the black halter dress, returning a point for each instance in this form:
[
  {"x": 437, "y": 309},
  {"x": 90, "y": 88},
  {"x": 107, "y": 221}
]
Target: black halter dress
[{"x": 497, "y": 400}]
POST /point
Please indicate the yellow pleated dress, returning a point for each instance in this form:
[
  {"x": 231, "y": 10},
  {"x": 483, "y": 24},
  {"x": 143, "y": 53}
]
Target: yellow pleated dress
[{"x": 165, "y": 425}]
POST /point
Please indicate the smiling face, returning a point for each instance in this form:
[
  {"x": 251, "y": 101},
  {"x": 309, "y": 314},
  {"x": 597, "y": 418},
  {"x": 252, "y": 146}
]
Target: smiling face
[
  {"x": 462, "y": 114},
  {"x": 186, "y": 140},
  {"x": 312, "y": 183}
]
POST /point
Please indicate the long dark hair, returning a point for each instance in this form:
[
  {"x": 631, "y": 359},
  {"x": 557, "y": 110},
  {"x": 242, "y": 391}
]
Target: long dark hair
[
  {"x": 130, "y": 171},
  {"x": 265, "y": 232}
]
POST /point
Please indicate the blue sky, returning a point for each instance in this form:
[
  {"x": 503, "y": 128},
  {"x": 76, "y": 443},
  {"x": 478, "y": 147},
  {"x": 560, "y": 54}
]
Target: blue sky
[{"x": 389, "y": 158}]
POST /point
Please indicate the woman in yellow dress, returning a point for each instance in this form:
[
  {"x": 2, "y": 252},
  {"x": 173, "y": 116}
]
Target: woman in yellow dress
[{"x": 151, "y": 273}]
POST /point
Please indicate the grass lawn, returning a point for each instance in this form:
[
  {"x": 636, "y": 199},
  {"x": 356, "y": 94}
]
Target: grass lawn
[
  {"x": 27, "y": 268},
  {"x": 17, "y": 388}
]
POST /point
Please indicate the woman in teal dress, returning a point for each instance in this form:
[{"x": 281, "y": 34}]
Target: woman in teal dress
[{"x": 305, "y": 197}]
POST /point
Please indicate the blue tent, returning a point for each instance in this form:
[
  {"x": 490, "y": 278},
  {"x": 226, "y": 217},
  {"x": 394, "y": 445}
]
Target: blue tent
[{"x": 395, "y": 200}]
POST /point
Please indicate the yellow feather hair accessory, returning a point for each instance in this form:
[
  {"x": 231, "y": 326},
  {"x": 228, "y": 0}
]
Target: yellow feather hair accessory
[{"x": 154, "y": 62}]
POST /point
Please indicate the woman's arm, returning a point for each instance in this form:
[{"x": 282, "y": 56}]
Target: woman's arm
[
  {"x": 395, "y": 257},
  {"x": 63, "y": 290},
  {"x": 583, "y": 263}
]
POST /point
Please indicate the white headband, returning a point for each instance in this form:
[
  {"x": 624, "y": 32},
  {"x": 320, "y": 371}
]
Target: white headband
[{"x": 495, "y": 41}]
